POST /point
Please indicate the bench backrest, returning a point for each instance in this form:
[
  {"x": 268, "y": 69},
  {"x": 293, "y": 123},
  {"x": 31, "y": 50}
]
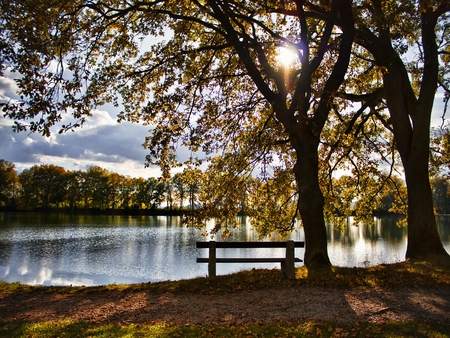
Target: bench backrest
[{"x": 204, "y": 245}]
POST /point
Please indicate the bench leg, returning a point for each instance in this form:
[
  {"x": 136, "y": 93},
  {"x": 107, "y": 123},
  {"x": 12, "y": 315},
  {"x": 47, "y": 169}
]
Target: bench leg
[
  {"x": 287, "y": 266},
  {"x": 212, "y": 260}
]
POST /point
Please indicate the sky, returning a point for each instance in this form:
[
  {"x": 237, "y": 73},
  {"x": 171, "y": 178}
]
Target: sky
[{"x": 102, "y": 141}]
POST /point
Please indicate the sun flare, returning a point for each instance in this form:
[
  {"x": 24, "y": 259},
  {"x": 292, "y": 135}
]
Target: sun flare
[{"x": 286, "y": 57}]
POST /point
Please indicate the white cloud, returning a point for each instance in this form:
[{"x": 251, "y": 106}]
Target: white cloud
[
  {"x": 98, "y": 120},
  {"x": 102, "y": 117},
  {"x": 4, "y": 99},
  {"x": 52, "y": 139},
  {"x": 28, "y": 141},
  {"x": 4, "y": 122},
  {"x": 121, "y": 166},
  {"x": 89, "y": 154},
  {"x": 7, "y": 86}
]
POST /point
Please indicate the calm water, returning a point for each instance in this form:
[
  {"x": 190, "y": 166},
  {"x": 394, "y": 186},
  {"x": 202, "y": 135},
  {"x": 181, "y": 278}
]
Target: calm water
[{"x": 42, "y": 249}]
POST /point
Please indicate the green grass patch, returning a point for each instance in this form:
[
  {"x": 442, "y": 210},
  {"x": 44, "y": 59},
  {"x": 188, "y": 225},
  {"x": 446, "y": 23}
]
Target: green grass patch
[
  {"x": 406, "y": 274},
  {"x": 305, "y": 329}
]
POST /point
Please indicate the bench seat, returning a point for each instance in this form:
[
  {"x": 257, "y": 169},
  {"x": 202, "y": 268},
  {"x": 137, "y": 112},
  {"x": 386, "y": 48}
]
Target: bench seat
[
  {"x": 247, "y": 260},
  {"x": 287, "y": 263},
  {"x": 248, "y": 245}
]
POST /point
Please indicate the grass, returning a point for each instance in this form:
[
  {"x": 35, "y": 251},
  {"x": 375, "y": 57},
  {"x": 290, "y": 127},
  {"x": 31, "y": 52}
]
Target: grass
[
  {"x": 305, "y": 329},
  {"x": 408, "y": 274}
]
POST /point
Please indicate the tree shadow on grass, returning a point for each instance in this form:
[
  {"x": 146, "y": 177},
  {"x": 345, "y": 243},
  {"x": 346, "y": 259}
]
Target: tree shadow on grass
[{"x": 411, "y": 291}]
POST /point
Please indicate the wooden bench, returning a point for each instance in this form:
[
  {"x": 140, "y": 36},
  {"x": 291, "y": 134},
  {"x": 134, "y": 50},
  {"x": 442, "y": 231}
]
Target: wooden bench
[{"x": 287, "y": 263}]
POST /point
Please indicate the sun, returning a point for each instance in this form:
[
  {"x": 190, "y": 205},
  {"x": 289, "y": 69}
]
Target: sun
[{"x": 286, "y": 56}]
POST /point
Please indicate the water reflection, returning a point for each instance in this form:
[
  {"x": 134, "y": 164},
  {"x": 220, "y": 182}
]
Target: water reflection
[
  {"x": 59, "y": 249},
  {"x": 367, "y": 245}
]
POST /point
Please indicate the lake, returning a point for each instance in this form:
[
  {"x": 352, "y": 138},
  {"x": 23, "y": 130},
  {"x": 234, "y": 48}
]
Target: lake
[{"x": 61, "y": 249}]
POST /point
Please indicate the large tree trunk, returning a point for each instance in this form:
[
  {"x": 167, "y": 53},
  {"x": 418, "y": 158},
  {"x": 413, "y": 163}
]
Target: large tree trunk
[
  {"x": 410, "y": 117},
  {"x": 423, "y": 236},
  {"x": 311, "y": 202},
  {"x": 411, "y": 121}
]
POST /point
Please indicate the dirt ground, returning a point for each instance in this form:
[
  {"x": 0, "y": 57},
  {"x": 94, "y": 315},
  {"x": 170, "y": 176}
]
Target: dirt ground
[{"x": 271, "y": 305}]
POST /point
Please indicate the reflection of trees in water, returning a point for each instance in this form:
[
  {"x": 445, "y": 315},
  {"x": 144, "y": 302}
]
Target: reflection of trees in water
[
  {"x": 243, "y": 231},
  {"x": 68, "y": 219},
  {"x": 240, "y": 232},
  {"x": 384, "y": 228},
  {"x": 33, "y": 218},
  {"x": 390, "y": 232},
  {"x": 443, "y": 225}
]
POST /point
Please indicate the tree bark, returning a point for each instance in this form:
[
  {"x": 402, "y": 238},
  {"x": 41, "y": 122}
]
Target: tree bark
[
  {"x": 311, "y": 200},
  {"x": 411, "y": 122},
  {"x": 423, "y": 236}
]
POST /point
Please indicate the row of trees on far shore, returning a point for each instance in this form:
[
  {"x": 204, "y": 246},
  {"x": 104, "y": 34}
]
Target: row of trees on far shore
[{"x": 49, "y": 187}]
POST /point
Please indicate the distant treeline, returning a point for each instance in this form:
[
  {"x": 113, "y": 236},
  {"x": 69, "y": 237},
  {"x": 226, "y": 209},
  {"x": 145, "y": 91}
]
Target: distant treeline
[{"x": 50, "y": 187}]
